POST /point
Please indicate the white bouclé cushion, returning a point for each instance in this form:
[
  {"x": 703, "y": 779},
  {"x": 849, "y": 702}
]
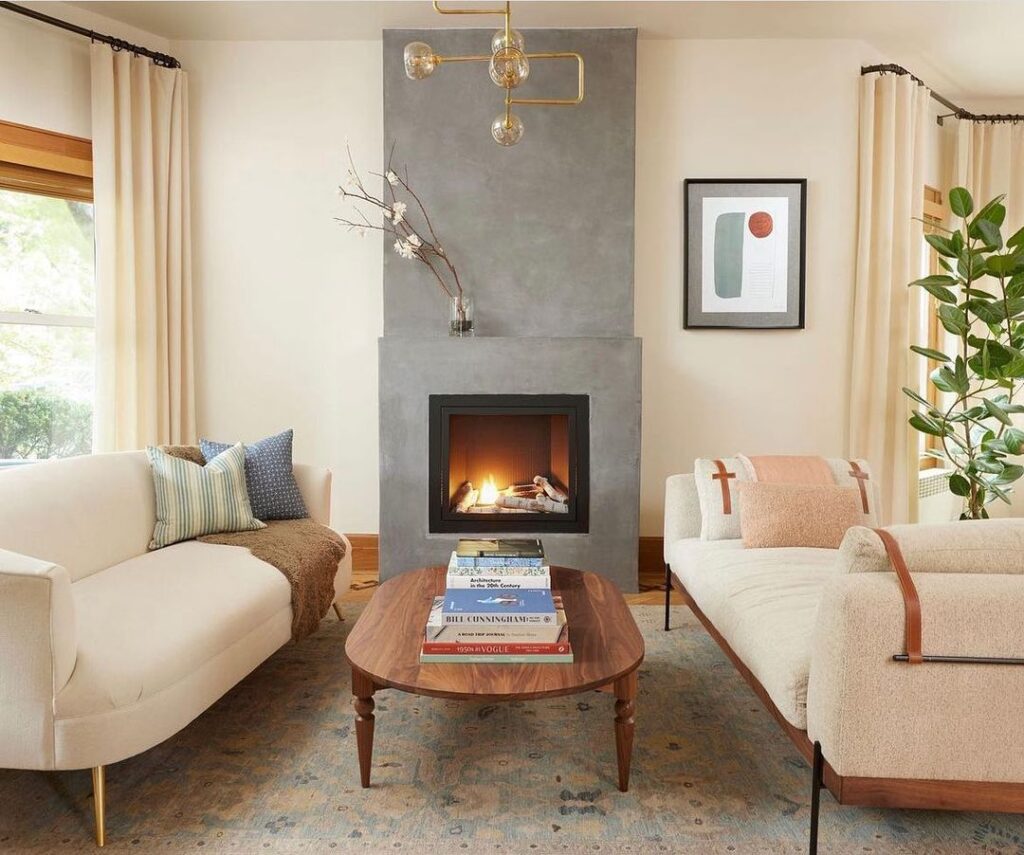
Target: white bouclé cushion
[{"x": 718, "y": 497}]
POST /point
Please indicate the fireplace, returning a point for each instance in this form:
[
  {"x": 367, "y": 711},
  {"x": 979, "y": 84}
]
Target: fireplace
[{"x": 509, "y": 463}]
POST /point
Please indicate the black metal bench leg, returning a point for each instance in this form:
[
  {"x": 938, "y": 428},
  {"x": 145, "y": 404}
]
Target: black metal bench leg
[
  {"x": 816, "y": 776},
  {"x": 668, "y": 593}
]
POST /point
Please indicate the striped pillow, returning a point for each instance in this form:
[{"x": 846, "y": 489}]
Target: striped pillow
[{"x": 193, "y": 500}]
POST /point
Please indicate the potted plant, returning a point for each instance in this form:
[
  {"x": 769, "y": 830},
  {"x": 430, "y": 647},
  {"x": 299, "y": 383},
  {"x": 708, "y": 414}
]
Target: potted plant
[
  {"x": 980, "y": 303},
  {"x": 411, "y": 241}
]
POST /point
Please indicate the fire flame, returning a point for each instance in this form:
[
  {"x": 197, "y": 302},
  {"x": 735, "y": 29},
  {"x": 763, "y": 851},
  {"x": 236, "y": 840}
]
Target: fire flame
[{"x": 488, "y": 492}]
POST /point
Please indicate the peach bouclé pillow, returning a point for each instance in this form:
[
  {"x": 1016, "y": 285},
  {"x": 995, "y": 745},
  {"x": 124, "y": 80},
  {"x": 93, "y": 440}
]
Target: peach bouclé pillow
[{"x": 815, "y": 515}]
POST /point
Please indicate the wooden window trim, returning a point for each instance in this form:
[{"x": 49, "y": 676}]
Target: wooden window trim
[
  {"x": 934, "y": 215},
  {"x": 45, "y": 163}
]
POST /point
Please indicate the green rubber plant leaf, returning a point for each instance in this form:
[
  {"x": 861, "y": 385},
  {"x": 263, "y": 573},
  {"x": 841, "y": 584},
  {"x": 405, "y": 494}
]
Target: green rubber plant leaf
[
  {"x": 1013, "y": 438},
  {"x": 941, "y": 293},
  {"x": 993, "y": 312},
  {"x": 926, "y": 425},
  {"x": 942, "y": 245},
  {"x": 960, "y": 202},
  {"x": 959, "y": 486},
  {"x": 1002, "y": 265},
  {"x": 937, "y": 355},
  {"x": 989, "y": 232},
  {"x": 915, "y": 396},
  {"x": 935, "y": 279},
  {"x": 1011, "y": 472},
  {"x": 953, "y": 319}
]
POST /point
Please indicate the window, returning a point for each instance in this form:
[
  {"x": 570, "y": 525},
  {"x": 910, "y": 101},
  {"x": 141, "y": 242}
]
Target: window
[
  {"x": 931, "y": 331},
  {"x": 47, "y": 295}
]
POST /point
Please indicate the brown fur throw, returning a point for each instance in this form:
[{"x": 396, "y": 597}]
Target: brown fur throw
[{"x": 306, "y": 552}]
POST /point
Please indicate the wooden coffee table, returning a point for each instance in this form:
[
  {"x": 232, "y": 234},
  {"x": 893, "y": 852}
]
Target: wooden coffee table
[{"x": 384, "y": 652}]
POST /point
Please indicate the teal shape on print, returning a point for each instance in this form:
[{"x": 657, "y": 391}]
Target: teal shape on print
[{"x": 729, "y": 254}]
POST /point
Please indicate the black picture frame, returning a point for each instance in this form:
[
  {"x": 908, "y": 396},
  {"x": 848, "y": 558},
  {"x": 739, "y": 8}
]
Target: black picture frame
[{"x": 694, "y": 191}]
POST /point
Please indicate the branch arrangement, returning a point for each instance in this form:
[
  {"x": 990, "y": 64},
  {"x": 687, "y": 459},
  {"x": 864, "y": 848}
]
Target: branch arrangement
[
  {"x": 980, "y": 301},
  {"x": 421, "y": 244}
]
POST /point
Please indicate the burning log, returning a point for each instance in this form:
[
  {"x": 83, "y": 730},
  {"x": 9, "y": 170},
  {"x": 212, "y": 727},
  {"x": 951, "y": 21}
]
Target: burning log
[
  {"x": 465, "y": 497},
  {"x": 540, "y": 505},
  {"x": 554, "y": 492}
]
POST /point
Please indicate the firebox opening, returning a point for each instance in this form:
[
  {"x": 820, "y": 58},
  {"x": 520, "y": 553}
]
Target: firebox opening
[{"x": 509, "y": 463}]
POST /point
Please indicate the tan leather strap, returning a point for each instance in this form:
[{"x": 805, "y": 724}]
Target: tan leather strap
[
  {"x": 911, "y": 601},
  {"x": 723, "y": 477},
  {"x": 862, "y": 479}
]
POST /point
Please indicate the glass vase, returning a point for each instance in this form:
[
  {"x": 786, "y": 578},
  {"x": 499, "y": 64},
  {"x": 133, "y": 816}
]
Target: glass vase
[{"x": 460, "y": 317}]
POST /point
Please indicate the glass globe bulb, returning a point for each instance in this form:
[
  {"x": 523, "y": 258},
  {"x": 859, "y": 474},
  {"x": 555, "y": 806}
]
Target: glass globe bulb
[
  {"x": 419, "y": 60},
  {"x": 507, "y": 131},
  {"x": 509, "y": 67},
  {"x": 515, "y": 40}
]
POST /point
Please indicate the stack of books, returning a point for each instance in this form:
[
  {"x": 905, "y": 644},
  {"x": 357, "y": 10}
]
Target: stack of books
[{"x": 498, "y": 607}]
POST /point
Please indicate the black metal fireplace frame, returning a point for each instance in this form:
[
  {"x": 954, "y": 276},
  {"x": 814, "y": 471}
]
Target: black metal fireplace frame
[{"x": 575, "y": 407}]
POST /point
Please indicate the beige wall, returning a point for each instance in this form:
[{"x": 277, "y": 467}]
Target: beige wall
[
  {"x": 735, "y": 109},
  {"x": 288, "y": 304},
  {"x": 44, "y": 71}
]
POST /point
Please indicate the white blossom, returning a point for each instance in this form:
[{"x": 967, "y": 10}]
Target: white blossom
[
  {"x": 404, "y": 249},
  {"x": 352, "y": 180},
  {"x": 414, "y": 239},
  {"x": 391, "y": 177},
  {"x": 398, "y": 212}
]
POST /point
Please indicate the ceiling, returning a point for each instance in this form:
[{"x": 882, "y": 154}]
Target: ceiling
[{"x": 970, "y": 46}]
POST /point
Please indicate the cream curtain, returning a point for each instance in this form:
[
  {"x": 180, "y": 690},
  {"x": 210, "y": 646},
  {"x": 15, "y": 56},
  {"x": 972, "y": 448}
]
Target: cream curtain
[
  {"x": 144, "y": 383},
  {"x": 989, "y": 161},
  {"x": 893, "y": 148}
]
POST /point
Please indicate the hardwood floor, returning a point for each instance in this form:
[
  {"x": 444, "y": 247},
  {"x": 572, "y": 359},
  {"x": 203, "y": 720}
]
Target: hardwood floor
[{"x": 365, "y": 577}]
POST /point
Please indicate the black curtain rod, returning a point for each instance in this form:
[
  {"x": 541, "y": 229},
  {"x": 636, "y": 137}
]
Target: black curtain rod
[
  {"x": 161, "y": 59},
  {"x": 958, "y": 112}
]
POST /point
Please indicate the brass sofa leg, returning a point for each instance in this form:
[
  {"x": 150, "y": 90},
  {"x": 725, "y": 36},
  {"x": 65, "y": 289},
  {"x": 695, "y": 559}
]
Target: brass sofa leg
[
  {"x": 99, "y": 797},
  {"x": 337, "y": 611}
]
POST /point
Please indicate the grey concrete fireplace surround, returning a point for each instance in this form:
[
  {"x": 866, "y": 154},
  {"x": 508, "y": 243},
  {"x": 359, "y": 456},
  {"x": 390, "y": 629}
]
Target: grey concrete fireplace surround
[{"x": 542, "y": 235}]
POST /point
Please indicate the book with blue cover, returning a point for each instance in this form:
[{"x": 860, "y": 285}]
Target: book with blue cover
[
  {"x": 503, "y": 578},
  {"x": 498, "y": 606},
  {"x": 498, "y": 553}
]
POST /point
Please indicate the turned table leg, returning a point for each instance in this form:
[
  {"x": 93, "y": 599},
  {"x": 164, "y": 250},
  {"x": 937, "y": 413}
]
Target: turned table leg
[
  {"x": 362, "y": 701},
  {"x": 625, "y": 710}
]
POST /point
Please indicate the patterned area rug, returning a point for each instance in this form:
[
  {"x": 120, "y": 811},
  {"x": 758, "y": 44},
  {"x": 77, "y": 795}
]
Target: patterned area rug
[{"x": 272, "y": 768}]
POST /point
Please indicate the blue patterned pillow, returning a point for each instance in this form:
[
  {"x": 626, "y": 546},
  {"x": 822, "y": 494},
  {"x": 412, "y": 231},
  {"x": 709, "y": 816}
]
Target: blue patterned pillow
[{"x": 273, "y": 493}]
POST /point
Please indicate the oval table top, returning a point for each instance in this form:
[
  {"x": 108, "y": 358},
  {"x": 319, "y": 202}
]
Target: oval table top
[{"x": 385, "y": 642}]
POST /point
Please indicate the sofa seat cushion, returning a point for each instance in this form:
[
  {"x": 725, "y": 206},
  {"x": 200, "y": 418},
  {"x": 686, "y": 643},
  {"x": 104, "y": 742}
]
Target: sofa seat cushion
[
  {"x": 764, "y": 603},
  {"x": 151, "y": 621}
]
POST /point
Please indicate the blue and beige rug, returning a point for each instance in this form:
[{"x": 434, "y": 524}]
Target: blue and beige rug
[{"x": 272, "y": 768}]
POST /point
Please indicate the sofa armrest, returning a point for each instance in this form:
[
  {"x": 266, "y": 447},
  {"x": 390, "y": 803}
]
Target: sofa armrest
[
  {"x": 878, "y": 718},
  {"x": 38, "y": 649},
  {"x": 315, "y": 485},
  {"x": 682, "y": 510}
]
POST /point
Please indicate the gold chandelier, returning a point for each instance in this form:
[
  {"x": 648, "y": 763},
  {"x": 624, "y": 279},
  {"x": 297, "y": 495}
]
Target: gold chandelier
[{"x": 509, "y": 66}]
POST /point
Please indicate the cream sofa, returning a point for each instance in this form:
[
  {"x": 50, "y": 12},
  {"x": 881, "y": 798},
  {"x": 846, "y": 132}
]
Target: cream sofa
[
  {"x": 107, "y": 649},
  {"x": 814, "y": 631}
]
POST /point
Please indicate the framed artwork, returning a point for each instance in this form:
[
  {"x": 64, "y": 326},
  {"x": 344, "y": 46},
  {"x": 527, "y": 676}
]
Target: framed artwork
[{"x": 743, "y": 253}]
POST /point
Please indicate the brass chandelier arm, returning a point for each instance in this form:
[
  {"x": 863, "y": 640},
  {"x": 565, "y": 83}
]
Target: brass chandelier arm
[
  {"x": 557, "y": 102},
  {"x": 475, "y": 58},
  {"x": 442, "y": 11}
]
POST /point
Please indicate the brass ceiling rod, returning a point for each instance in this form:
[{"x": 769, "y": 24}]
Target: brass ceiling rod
[{"x": 161, "y": 59}]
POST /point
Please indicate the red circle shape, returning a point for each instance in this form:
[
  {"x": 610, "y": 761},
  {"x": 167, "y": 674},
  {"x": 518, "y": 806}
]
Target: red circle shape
[{"x": 760, "y": 224}]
